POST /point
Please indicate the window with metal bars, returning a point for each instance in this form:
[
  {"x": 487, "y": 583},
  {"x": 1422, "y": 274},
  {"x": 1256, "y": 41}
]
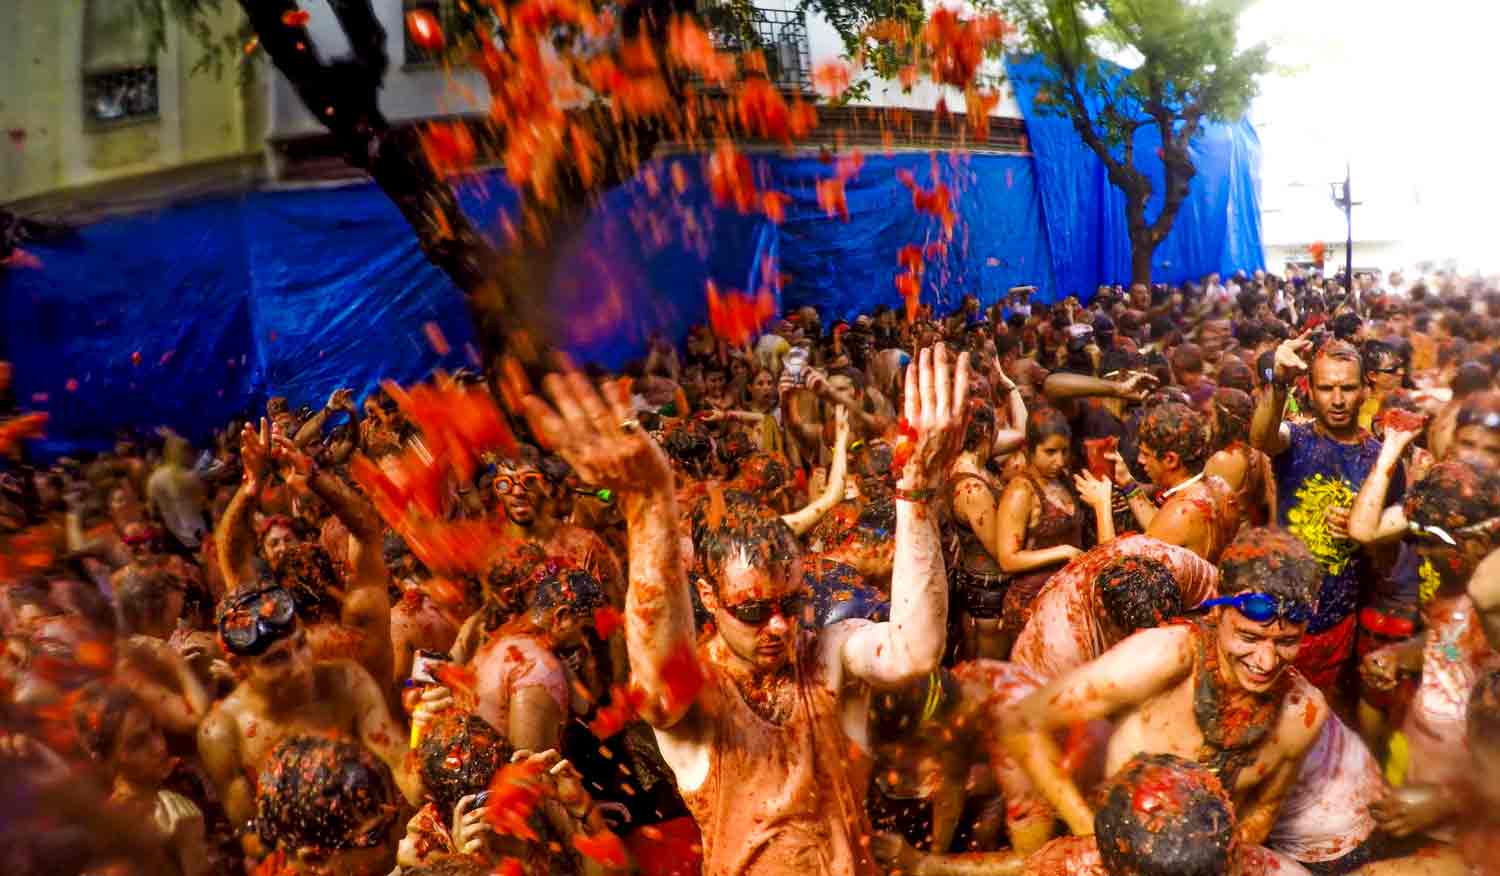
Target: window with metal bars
[{"x": 780, "y": 35}]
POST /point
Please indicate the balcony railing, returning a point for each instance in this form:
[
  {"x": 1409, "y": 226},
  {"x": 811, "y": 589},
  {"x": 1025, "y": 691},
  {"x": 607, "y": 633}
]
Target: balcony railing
[{"x": 780, "y": 35}]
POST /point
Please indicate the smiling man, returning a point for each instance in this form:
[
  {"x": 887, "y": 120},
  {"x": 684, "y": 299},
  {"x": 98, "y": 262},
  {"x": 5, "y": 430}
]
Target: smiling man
[
  {"x": 1221, "y": 691},
  {"x": 1318, "y": 468},
  {"x": 1198, "y": 510}
]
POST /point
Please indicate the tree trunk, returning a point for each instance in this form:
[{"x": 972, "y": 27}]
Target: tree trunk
[
  {"x": 1141, "y": 250},
  {"x": 504, "y": 290}
]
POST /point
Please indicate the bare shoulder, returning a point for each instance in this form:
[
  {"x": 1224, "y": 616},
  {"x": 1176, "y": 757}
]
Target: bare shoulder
[
  {"x": 219, "y": 732},
  {"x": 1169, "y": 645},
  {"x": 1304, "y": 711}
]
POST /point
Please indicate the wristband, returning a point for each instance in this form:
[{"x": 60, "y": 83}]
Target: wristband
[
  {"x": 917, "y": 496},
  {"x": 1131, "y": 491}
]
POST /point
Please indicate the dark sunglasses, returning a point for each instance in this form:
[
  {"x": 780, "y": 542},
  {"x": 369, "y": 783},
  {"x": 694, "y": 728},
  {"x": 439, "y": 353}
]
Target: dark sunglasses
[
  {"x": 1489, "y": 420},
  {"x": 758, "y": 611},
  {"x": 254, "y": 622},
  {"x": 1263, "y": 608},
  {"x": 532, "y": 480}
]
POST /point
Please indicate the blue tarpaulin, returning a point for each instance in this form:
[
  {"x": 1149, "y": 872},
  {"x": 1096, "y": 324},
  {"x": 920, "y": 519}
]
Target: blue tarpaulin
[
  {"x": 1217, "y": 229},
  {"x": 189, "y": 315}
]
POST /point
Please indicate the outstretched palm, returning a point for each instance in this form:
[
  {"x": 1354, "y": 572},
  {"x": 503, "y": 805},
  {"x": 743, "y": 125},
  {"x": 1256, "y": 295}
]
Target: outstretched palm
[{"x": 597, "y": 434}]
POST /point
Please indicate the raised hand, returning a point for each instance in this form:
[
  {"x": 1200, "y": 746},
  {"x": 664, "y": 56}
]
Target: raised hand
[
  {"x": 341, "y": 400},
  {"x": 1290, "y": 362},
  {"x": 1136, "y": 386},
  {"x": 936, "y": 395},
  {"x": 255, "y": 451},
  {"x": 1094, "y": 491},
  {"x": 598, "y": 436},
  {"x": 289, "y": 455}
]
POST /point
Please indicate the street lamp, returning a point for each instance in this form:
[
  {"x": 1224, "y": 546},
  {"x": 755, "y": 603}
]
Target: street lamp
[{"x": 1343, "y": 199}]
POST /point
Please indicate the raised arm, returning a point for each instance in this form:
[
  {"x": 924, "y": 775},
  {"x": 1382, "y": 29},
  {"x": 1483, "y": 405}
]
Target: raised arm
[
  {"x": 1063, "y": 386},
  {"x": 1136, "y": 669},
  {"x": 1370, "y": 521},
  {"x": 233, "y": 536},
  {"x": 367, "y": 603},
  {"x": 1268, "y": 433},
  {"x": 1484, "y": 589},
  {"x": 607, "y": 447},
  {"x": 807, "y": 517},
  {"x": 1016, "y": 404},
  {"x": 910, "y": 644}
]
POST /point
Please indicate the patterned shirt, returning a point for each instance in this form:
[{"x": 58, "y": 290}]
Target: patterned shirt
[{"x": 1313, "y": 474}]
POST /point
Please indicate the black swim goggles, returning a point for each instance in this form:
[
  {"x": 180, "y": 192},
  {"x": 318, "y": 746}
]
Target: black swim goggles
[{"x": 250, "y": 624}]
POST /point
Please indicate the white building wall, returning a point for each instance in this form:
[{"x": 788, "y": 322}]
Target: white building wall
[{"x": 426, "y": 91}]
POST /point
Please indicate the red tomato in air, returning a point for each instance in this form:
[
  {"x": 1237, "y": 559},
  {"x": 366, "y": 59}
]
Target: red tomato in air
[{"x": 424, "y": 29}]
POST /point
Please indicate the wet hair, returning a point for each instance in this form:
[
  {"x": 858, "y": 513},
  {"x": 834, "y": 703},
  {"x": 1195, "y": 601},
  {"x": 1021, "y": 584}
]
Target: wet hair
[
  {"x": 1470, "y": 378},
  {"x": 306, "y": 572},
  {"x": 321, "y": 792},
  {"x": 1175, "y": 428},
  {"x": 1271, "y": 561},
  {"x": 1340, "y": 351},
  {"x": 1235, "y": 374},
  {"x": 504, "y": 587},
  {"x": 1234, "y": 409},
  {"x": 558, "y": 583},
  {"x": 1188, "y": 358},
  {"x": 688, "y": 446},
  {"x": 763, "y": 474},
  {"x": 896, "y": 714},
  {"x": 734, "y": 449},
  {"x": 100, "y": 714},
  {"x": 1248, "y": 332},
  {"x": 1455, "y": 494},
  {"x": 458, "y": 756},
  {"x": 1163, "y": 815},
  {"x": 980, "y": 430},
  {"x": 745, "y": 529},
  {"x": 1044, "y": 423},
  {"x": 1484, "y": 709},
  {"x": 1139, "y": 593},
  {"x": 1346, "y": 325}
]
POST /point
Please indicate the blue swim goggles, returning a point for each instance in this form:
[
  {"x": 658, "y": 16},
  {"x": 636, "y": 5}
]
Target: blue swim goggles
[{"x": 1262, "y": 608}]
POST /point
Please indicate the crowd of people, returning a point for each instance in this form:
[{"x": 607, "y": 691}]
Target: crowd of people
[{"x": 1180, "y": 581}]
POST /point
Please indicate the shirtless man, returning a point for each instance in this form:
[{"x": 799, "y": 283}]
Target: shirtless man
[
  {"x": 1105, "y": 595},
  {"x": 1160, "y": 815},
  {"x": 525, "y": 497},
  {"x": 1199, "y": 511},
  {"x": 1220, "y": 691},
  {"x": 287, "y": 692},
  {"x": 353, "y": 624},
  {"x": 769, "y": 755}
]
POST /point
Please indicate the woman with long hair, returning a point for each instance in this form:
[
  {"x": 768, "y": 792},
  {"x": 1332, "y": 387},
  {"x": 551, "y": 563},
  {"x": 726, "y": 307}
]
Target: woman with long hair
[{"x": 1040, "y": 519}]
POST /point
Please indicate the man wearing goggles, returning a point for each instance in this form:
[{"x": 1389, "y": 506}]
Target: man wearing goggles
[
  {"x": 529, "y": 499},
  {"x": 1222, "y": 690},
  {"x": 762, "y": 724},
  {"x": 286, "y": 691}
]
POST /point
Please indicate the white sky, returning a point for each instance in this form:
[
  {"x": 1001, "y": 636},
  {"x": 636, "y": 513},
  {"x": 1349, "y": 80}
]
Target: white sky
[{"x": 1402, "y": 90}]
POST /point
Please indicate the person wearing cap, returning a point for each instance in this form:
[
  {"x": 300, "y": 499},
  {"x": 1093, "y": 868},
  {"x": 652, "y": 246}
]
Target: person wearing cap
[
  {"x": 286, "y": 691},
  {"x": 1221, "y": 690}
]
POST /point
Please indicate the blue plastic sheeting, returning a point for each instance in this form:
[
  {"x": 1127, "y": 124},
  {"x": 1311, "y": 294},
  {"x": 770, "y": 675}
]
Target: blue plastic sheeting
[
  {"x": 1217, "y": 229},
  {"x": 193, "y": 314},
  {"x": 641, "y": 265},
  {"x": 845, "y": 269}
]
